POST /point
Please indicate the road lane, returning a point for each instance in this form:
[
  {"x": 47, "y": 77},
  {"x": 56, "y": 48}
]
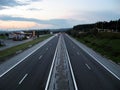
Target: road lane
[
  {"x": 14, "y": 61},
  {"x": 32, "y": 73},
  {"x": 110, "y": 66},
  {"x": 89, "y": 74}
]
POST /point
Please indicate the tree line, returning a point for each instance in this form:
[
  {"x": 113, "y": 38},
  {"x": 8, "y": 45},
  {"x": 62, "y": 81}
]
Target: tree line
[
  {"x": 103, "y": 29},
  {"x": 114, "y": 26}
]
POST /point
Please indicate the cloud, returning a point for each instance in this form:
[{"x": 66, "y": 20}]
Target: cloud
[
  {"x": 86, "y": 17},
  {"x": 27, "y": 1},
  {"x": 8, "y": 18},
  {"x": 35, "y": 9},
  {"x": 34, "y": 0},
  {"x": 8, "y": 3},
  {"x": 94, "y": 16},
  {"x": 57, "y": 23},
  {"x": 74, "y": 19},
  {"x": 12, "y": 3},
  {"x": 53, "y": 23},
  {"x": 104, "y": 15},
  {"x": 16, "y": 24},
  {"x": 4, "y": 4}
]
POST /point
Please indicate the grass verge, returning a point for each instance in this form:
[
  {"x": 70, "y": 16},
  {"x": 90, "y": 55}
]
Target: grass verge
[
  {"x": 4, "y": 54},
  {"x": 2, "y": 37},
  {"x": 110, "y": 48}
]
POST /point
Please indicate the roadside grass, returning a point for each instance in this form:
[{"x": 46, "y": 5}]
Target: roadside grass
[
  {"x": 107, "y": 47},
  {"x": 12, "y": 51},
  {"x": 2, "y": 37}
]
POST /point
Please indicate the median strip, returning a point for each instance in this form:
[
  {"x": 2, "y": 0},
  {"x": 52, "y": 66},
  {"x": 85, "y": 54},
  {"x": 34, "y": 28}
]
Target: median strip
[{"x": 61, "y": 75}]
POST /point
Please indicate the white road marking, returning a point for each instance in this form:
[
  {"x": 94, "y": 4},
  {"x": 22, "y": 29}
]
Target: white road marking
[
  {"x": 88, "y": 66},
  {"x": 95, "y": 59},
  {"x": 40, "y": 57},
  {"x": 23, "y": 78},
  {"x": 43, "y": 43},
  {"x": 49, "y": 76},
  {"x": 50, "y": 73}
]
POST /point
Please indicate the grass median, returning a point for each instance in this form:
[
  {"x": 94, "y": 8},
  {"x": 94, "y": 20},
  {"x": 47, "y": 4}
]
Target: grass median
[{"x": 4, "y": 54}]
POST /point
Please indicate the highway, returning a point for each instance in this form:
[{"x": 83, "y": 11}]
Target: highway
[
  {"x": 32, "y": 73},
  {"x": 61, "y": 53},
  {"x": 89, "y": 74}
]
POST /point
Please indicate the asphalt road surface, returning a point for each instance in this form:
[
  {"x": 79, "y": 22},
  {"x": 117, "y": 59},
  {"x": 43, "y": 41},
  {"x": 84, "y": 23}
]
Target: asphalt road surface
[
  {"x": 89, "y": 74},
  {"x": 32, "y": 73}
]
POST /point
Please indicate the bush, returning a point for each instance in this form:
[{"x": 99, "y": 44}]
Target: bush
[
  {"x": 108, "y": 35},
  {"x": 107, "y": 43}
]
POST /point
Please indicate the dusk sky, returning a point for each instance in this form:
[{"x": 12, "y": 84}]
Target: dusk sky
[{"x": 54, "y": 14}]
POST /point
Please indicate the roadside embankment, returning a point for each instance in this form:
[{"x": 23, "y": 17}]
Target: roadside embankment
[
  {"x": 7, "y": 53},
  {"x": 106, "y": 43}
]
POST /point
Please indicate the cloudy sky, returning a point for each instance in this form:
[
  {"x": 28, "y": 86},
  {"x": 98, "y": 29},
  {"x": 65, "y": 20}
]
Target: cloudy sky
[{"x": 25, "y": 14}]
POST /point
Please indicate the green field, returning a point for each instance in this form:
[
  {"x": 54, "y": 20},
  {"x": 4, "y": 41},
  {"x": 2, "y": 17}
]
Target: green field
[
  {"x": 105, "y": 44},
  {"x": 12, "y": 51},
  {"x": 3, "y": 37}
]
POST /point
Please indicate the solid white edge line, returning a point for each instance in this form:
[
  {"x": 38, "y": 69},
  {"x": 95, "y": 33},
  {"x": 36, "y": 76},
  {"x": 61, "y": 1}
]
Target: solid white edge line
[
  {"x": 51, "y": 69},
  {"x": 24, "y": 58},
  {"x": 87, "y": 66},
  {"x": 76, "y": 88},
  {"x": 23, "y": 78},
  {"x": 98, "y": 61}
]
